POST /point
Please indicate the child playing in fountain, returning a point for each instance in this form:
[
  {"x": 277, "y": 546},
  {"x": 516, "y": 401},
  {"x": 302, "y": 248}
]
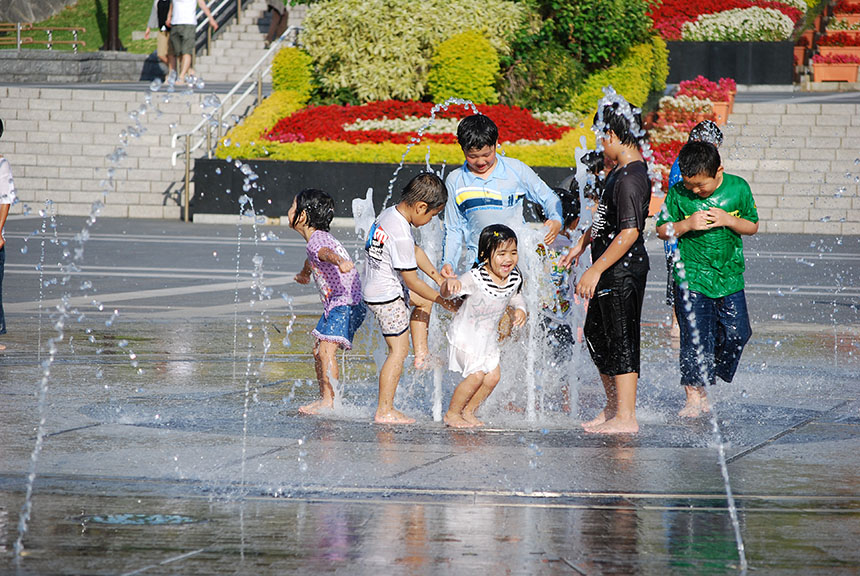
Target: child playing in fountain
[
  {"x": 339, "y": 285},
  {"x": 391, "y": 273},
  {"x": 489, "y": 287},
  {"x": 615, "y": 282},
  {"x": 704, "y": 131},
  {"x": 489, "y": 189},
  {"x": 707, "y": 213}
]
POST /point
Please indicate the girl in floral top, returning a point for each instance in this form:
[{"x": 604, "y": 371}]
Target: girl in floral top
[{"x": 339, "y": 285}]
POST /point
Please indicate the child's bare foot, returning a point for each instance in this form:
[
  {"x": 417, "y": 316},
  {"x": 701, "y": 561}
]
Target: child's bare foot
[
  {"x": 615, "y": 426},
  {"x": 456, "y": 421},
  {"x": 392, "y": 417},
  {"x": 471, "y": 419},
  {"x": 600, "y": 419},
  {"x": 697, "y": 403},
  {"x": 321, "y": 405}
]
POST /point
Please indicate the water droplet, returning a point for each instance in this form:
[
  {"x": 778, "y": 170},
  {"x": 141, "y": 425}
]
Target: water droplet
[
  {"x": 778, "y": 316},
  {"x": 744, "y": 394},
  {"x": 218, "y": 170},
  {"x": 824, "y": 219}
]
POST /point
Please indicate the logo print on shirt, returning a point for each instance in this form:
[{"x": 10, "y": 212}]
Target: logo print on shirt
[{"x": 376, "y": 240}]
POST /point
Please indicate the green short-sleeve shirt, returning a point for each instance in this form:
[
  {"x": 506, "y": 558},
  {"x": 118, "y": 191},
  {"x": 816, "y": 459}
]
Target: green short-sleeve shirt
[{"x": 713, "y": 259}]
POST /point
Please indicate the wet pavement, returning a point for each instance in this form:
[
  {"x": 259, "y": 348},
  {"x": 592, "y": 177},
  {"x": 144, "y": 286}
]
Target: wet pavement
[{"x": 173, "y": 443}]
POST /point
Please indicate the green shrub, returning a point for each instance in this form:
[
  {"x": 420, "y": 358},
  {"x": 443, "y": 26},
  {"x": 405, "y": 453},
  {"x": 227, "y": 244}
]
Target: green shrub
[
  {"x": 597, "y": 32},
  {"x": 292, "y": 69},
  {"x": 381, "y": 49},
  {"x": 541, "y": 78},
  {"x": 644, "y": 70},
  {"x": 464, "y": 66},
  {"x": 660, "y": 61}
]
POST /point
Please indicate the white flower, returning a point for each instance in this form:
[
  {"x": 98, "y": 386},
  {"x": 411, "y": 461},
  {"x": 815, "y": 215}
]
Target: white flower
[
  {"x": 558, "y": 117},
  {"x": 842, "y": 24},
  {"x": 686, "y": 104},
  {"x": 739, "y": 25},
  {"x": 407, "y": 124},
  {"x": 799, "y": 4}
]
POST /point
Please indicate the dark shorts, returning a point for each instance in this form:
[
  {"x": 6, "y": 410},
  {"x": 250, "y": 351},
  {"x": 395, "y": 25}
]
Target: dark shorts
[
  {"x": 714, "y": 332},
  {"x": 182, "y": 39},
  {"x": 613, "y": 318}
]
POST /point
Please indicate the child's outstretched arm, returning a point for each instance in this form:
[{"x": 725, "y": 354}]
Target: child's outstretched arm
[
  {"x": 426, "y": 266},
  {"x": 572, "y": 256},
  {"x": 326, "y": 254},
  {"x": 417, "y": 285},
  {"x": 304, "y": 276}
]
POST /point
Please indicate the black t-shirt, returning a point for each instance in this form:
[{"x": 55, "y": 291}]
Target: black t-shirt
[
  {"x": 162, "y": 8},
  {"x": 624, "y": 205}
]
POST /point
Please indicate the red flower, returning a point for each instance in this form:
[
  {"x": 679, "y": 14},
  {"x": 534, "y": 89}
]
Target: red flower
[
  {"x": 845, "y": 7},
  {"x": 839, "y": 39},
  {"x": 327, "y": 123},
  {"x": 836, "y": 59},
  {"x": 704, "y": 89}
]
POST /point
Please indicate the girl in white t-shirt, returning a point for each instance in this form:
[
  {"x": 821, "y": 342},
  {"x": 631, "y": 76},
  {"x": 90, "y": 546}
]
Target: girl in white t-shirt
[{"x": 490, "y": 287}]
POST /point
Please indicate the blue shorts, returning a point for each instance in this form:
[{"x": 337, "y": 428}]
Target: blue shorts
[{"x": 341, "y": 324}]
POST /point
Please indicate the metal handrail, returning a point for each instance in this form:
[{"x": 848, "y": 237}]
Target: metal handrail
[
  {"x": 193, "y": 140},
  {"x": 19, "y": 27}
]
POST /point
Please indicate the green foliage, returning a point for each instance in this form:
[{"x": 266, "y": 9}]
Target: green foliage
[
  {"x": 645, "y": 69},
  {"x": 542, "y": 77},
  {"x": 381, "y": 49},
  {"x": 464, "y": 66},
  {"x": 292, "y": 69},
  {"x": 92, "y": 15},
  {"x": 597, "y": 32}
]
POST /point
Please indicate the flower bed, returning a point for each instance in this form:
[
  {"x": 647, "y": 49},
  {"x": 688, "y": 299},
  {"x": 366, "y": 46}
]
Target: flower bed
[
  {"x": 841, "y": 38},
  {"x": 399, "y": 122},
  {"x": 670, "y": 15}
]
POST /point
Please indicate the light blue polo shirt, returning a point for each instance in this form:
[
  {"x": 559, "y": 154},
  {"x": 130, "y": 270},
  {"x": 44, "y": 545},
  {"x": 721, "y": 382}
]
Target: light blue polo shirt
[{"x": 475, "y": 202}]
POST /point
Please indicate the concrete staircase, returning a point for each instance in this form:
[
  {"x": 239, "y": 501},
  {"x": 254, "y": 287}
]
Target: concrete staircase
[
  {"x": 802, "y": 161},
  {"x": 58, "y": 141},
  {"x": 239, "y": 46}
]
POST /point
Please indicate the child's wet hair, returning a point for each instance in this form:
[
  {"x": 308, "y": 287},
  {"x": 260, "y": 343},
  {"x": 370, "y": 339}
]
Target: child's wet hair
[
  {"x": 570, "y": 206},
  {"x": 699, "y": 158},
  {"x": 616, "y": 121},
  {"x": 706, "y": 131},
  {"x": 491, "y": 238},
  {"x": 318, "y": 206},
  {"x": 477, "y": 131},
  {"x": 426, "y": 187}
]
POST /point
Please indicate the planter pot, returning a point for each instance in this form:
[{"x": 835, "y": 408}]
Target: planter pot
[
  {"x": 822, "y": 72},
  {"x": 850, "y": 50},
  {"x": 279, "y": 181},
  {"x": 745, "y": 62},
  {"x": 809, "y": 35},
  {"x": 850, "y": 18},
  {"x": 721, "y": 112},
  {"x": 799, "y": 54}
]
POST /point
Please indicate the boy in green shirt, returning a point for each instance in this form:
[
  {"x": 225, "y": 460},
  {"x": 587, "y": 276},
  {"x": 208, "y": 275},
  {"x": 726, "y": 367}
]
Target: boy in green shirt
[{"x": 708, "y": 212}]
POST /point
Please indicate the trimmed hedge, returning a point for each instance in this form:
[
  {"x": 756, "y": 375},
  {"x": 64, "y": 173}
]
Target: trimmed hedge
[
  {"x": 644, "y": 70},
  {"x": 464, "y": 66},
  {"x": 292, "y": 69},
  {"x": 381, "y": 49}
]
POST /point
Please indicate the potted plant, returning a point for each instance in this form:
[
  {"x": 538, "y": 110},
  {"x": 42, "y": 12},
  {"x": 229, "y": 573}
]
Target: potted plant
[
  {"x": 719, "y": 93},
  {"x": 835, "y": 68},
  {"x": 839, "y": 43},
  {"x": 848, "y": 11}
]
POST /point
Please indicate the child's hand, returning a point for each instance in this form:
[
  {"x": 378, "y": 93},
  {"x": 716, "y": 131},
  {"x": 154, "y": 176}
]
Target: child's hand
[
  {"x": 553, "y": 228},
  {"x": 572, "y": 256},
  {"x": 345, "y": 266},
  {"x": 519, "y": 317},
  {"x": 588, "y": 283},
  {"x": 448, "y": 271},
  {"x": 700, "y": 220},
  {"x": 717, "y": 217},
  {"x": 303, "y": 277},
  {"x": 450, "y": 287}
]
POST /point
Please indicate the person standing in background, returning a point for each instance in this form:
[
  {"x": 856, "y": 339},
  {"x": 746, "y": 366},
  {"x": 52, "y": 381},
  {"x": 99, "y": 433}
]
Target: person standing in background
[
  {"x": 158, "y": 20},
  {"x": 7, "y": 198},
  {"x": 279, "y": 20}
]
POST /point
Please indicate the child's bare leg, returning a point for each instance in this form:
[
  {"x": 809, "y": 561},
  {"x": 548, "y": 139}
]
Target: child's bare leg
[
  {"x": 624, "y": 421},
  {"x": 419, "y": 323},
  {"x": 389, "y": 377},
  {"x": 611, "y": 403},
  {"x": 325, "y": 363},
  {"x": 462, "y": 394},
  {"x": 697, "y": 402},
  {"x": 488, "y": 384}
]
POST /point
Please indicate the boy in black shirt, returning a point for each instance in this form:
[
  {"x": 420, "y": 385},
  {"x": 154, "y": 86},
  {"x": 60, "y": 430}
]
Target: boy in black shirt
[{"x": 615, "y": 282}]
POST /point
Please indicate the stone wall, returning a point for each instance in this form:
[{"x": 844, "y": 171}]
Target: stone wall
[{"x": 29, "y": 66}]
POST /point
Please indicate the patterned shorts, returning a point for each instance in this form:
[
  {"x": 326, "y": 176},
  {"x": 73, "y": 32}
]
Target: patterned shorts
[{"x": 393, "y": 316}]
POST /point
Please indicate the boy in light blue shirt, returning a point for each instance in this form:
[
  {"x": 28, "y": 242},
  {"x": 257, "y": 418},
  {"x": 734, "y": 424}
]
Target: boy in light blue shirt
[{"x": 489, "y": 189}]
